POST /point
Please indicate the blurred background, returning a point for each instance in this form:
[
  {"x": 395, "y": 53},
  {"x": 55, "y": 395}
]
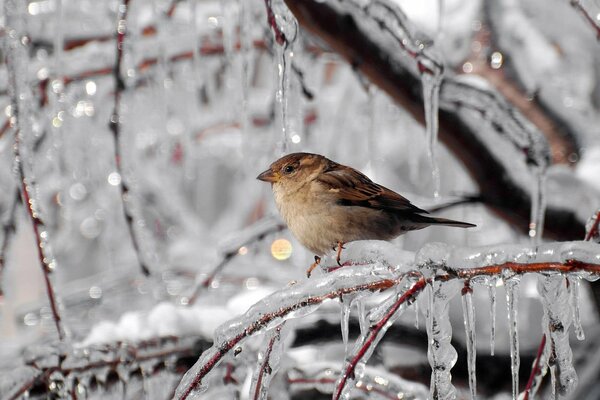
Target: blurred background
[{"x": 209, "y": 100}]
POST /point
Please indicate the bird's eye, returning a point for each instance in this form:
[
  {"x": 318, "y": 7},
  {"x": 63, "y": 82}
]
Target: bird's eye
[{"x": 289, "y": 169}]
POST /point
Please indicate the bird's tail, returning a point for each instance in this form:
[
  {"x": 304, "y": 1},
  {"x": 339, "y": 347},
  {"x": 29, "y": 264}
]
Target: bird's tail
[{"x": 443, "y": 221}]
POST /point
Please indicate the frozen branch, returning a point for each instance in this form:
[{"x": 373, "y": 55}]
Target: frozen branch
[
  {"x": 448, "y": 264},
  {"x": 8, "y": 230},
  {"x": 115, "y": 126},
  {"x": 536, "y": 370},
  {"x": 592, "y": 22}
]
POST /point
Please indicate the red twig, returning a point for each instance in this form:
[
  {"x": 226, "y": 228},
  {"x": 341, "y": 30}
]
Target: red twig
[
  {"x": 536, "y": 367},
  {"x": 115, "y": 126},
  {"x": 265, "y": 319},
  {"x": 374, "y": 331},
  {"x": 593, "y": 232},
  {"x": 40, "y": 232},
  {"x": 590, "y": 20},
  {"x": 265, "y": 367},
  {"x": 277, "y": 32}
]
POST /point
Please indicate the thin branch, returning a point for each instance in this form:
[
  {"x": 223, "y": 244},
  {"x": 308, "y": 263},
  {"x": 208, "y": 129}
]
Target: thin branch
[
  {"x": 536, "y": 368},
  {"x": 265, "y": 367},
  {"x": 115, "y": 126},
  {"x": 593, "y": 230},
  {"x": 374, "y": 332},
  {"x": 586, "y": 15},
  {"x": 272, "y": 21},
  {"x": 41, "y": 235}
]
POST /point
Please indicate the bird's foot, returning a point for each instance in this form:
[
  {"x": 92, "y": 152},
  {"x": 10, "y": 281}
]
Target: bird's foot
[
  {"x": 340, "y": 247},
  {"x": 313, "y": 266}
]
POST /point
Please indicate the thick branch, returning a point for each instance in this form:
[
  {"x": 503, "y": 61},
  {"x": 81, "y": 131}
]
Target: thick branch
[{"x": 501, "y": 187}]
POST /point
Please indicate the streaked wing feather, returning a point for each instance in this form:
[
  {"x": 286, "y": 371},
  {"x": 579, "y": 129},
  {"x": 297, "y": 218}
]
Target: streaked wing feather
[{"x": 356, "y": 189}]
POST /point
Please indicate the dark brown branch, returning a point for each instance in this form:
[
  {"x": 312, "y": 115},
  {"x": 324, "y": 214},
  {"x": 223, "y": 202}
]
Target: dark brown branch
[
  {"x": 115, "y": 126},
  {"x": 497, "y": 186}
]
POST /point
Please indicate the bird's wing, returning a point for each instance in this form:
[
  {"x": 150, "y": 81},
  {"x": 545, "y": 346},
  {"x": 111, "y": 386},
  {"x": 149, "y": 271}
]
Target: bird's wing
[{"x": 353, "y": 188}]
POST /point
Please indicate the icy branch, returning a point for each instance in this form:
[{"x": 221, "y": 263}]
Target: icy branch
[
  {"x": 447, "y": 263},
  {"x": 593, "y": 22},
  {"x": 115, "y": 126}
]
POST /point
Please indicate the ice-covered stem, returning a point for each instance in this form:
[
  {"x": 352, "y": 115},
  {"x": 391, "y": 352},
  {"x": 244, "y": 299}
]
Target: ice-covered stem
[
  {"x": 593, "y": 22},
  {"x": 275, "y": 308},
  {"x": 536, "y": 370},
  {"x": 592, "y": 227},
  {"x": 115, "y": 127},
  {"x": 252, "y": 234},
  {"x": 470, "y": 333},
  {"x": 280, "y": 37},
  {"x": 17, "y": 61},
  {"x": 367, "y": 46},
  {"x": 265, "y": 370},
  {"x": 8, "y": 229},
  {"x": 556, "y": 321},
  {"x": 374, "y": 335}
]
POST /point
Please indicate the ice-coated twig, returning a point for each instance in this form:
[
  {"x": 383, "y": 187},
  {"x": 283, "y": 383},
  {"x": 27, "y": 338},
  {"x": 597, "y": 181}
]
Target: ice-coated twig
[
  {"x": 536, "y": 371},
  {"x": 231, "y": 247},
  {"x": 512, "y": 304},
  {"x": 279, "y": 35},
  {"x": 8, "y": 230},
  {"x": 115, "y": 126},
  {"x": 375, "y": 381},
  {"x": 592, "y": 233},
  {"x": 295, "y": 301},
  {"x": 16, "y": 56},
  {"x": 366, "y": 344},
  {"x": 267, "y": 365},
  {"x": 593, "y": 22}
]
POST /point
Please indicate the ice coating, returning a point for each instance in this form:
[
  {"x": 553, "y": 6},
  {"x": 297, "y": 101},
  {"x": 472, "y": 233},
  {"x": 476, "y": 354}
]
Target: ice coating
[
  {"x": 381, "y": 317},
  {"x": 345, "y": 320},
  {"x": 469, "y": 322},
  {"x": 441, "y": 354},
  {"x": 557, "y": 320},
  {"x": 512, "y": 304},
  {"x": 268, "y": 362},
  {"x": 293, "y": 302}
]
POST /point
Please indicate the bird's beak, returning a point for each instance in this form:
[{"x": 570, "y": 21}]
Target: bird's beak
[{"x": 268, "y": 176}]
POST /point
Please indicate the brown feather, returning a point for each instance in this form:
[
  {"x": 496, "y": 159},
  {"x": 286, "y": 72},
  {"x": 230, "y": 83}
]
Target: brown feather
[{"x": 355, "y": 189}]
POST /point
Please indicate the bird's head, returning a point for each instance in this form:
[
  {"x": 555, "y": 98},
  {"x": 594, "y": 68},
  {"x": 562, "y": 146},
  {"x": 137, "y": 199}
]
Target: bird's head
[{"x": 294, "y": 170}]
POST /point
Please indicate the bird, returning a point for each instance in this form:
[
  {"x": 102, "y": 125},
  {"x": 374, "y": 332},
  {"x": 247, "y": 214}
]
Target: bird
[{"x": 326, "y": 205}]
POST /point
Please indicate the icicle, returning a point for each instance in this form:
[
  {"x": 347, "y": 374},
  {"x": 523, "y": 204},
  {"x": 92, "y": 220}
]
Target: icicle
[
  {"x": 441, "y": 354},
  {"x": 574, "y": 285},
  {"x": 416, "y": 307},
  {"x": 283, "y": 84},
  {"x": 345, "y": 320},
  {"x": 492, "y": 293},
  {"x": 538, "y": 206},
  {"x": 556, "y": 323},
  {"x": 362, "y": 317},
  {"x": 469, "y": 321},
  {"x": 431, "y": 89},
  {"x": 512, "y": 303}
]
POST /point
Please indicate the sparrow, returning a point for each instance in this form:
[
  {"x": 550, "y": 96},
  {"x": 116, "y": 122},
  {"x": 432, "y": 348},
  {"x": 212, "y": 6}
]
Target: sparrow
[{"x": 326, "y": 204}]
